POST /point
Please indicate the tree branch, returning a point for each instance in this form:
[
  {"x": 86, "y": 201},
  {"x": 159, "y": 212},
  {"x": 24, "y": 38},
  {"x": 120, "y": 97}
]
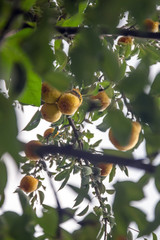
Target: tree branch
[
  {"x": 71, "y": 31},
  {"x": 95, "y": 158}
]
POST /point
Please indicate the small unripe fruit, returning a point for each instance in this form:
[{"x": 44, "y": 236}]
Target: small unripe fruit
[
  {"x": 31, "y": 148},
  {"x": 151, "y": 26},
  {"x": 50, "y": 112},
  {"x": 28, "y": 184},
  {"x": 103, "y": 98},
  {"x": 48, "y": 132},
  {"x": 105, "y": 168},
  {"x": 49, "y": 93},
  {"x": 125, "y": 40},
  {"x": 136, "y": 128},
  {"x": 69, "y": 102}
]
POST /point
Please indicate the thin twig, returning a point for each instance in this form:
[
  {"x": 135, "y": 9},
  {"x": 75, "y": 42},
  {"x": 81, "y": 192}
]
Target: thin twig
[{"x": 71, "y": 122}]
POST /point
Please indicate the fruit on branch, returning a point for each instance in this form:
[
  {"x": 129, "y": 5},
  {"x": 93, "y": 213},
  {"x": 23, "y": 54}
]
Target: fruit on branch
[
  {"x": 28, "y": 184},
  {"x": 76, "y": 92},
  {"x": 49, "y": 94},
  {"x": 125, "y": 40},
  {"x": 135, "y": 131},
  {"x": 103, "y": 99},
  {"x": 69, "y": 102},
  {"x": 105, "y": 168},
  {"x": 48, "y": 132},
  {"x": 151, "y": 26},
  {"x": 50, "y": 112},
  {"x": 31, "y": 148}
]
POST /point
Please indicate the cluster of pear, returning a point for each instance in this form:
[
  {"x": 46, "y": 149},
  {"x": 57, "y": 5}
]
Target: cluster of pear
[
  {"x": 29, "y": 183},
  {"x": 57, "y": 103}
]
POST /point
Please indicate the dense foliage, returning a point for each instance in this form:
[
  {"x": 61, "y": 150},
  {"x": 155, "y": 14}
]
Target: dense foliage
[{"x": 74, "y": 44}]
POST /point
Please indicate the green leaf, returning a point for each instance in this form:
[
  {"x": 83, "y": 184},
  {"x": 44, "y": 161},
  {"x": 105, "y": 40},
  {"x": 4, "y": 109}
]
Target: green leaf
[
  {"x": 155, "y": 88},
  {"x": 33, "y": 123},
  {"x": 84, "y": 211},
  {"x": 18, "y": 80},
  {"x": 27, "y": 4},
  {"x": 62, "y": 175},
  {"x": 61, "y": 58},
  {"x": 110, "y": 191},
  {"x": 24, "y": 200},
  {"x": 87, "y": 48},
  {"x": 73, "y": 21},
  {"x": 49, "y": 221},
  {"x": 154, "y": 236},
  {"x": 143, "y": 111},
  {"x": 3, "y": 176},
  {"x": 89, "y": 230},
  {"x": 59, "y": 80},
  {"x": 41, "y": 196},
  {"x": 137, "y": 80},
  {"x": 110, "y": 66},
  {"x": 124, "y": 213},
  {"x": 112, "y": 173},
  {"x": 64, "y": 182},
  {"x": 25, "y": 229},
  {"x": 82, "y": 193},
  {"x": 96, "y": 144},
  {"x": 121, "y": 130},
  {"x": 32, "y": 91},
  {"x": 8, "y": 124},
  {"x": 86, "y": 171}
]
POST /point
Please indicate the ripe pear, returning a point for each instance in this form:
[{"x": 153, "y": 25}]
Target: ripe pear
[
  {"x": 50, "y": 112},
  {"x": 151, "y": 26},
  {"x": 103, "y": 98},
  {"x": 135, "y": 131},
  {"x": 28, "y": 184},
  {"x": 49, "y": 94},
  {"x": 105, "y": 168},
  {"x": 48, "y": 132},
  {"x": 30, "y": 150},
  {"x": 125, "y": 40},
  {"x": 69, "y": 102}
]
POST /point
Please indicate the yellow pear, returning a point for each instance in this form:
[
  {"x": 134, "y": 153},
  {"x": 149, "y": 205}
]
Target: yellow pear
[
  {"x": 30, "y": 150},
  {"x": 69, "y": 102},
  {"x": 50, "y": 112},
  {"x": 105, "y": 168},
  {"x": 151, "y": 26},
  {"x": 135, "y": 131},
  {"x": 28, "y": 184},
  {"x": 125, "y": 40},
  {"x": 49, "y": 94},
  {"x": 103, "y": 98}
]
